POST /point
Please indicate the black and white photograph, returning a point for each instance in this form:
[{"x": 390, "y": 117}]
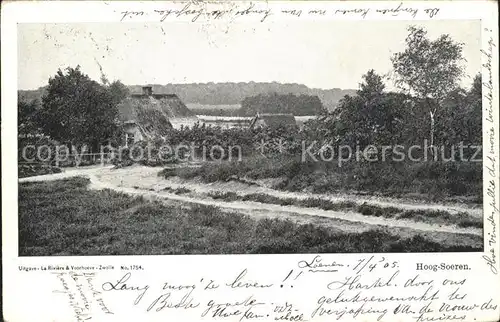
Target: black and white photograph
[
  {"x": 277, "y": 137},
  {"x": 240, "y": 161}
]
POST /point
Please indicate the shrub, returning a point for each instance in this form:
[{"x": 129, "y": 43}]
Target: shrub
[
  {"x": 372, "y": 210},
  {"x": 226, "y": 196},
  {"x": 30, "y": 170},
  {"x": 181, "y": 190}
]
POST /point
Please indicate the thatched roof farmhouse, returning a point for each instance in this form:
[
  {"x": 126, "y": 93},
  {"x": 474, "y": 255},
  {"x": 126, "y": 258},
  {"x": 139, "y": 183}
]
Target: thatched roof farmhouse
[{"x": 146, "y": 115}]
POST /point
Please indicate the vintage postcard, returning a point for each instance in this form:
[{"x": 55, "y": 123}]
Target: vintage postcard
[{"x": 250, "y": 161}]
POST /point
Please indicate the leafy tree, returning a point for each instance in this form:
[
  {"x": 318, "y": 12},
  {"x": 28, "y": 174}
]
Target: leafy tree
[
  {"x": 463, "y": 114},
  {"x": 27, "y": 117},
  {"x": 475, "y": 102},
  {"x": 372, "y": 86},
  {"x": 475, "y": 92},
  {"x": 429, "y": 70},
  {"x": 375, "y": 113},
  {"x": 370, "y": 117},
  {"x": 77, "y": 110},
  {"x": 118, "y": 91}
]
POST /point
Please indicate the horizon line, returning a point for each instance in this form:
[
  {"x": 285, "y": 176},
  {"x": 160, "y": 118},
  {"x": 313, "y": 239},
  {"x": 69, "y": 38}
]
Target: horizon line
[{"x": 208, "y": 83}]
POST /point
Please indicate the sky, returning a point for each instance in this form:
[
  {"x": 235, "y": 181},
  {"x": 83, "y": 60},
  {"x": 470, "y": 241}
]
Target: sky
[{"x": 319, "y": 54}]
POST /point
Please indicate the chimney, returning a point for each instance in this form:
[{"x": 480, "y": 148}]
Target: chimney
[{"x": 147, "y": 90}]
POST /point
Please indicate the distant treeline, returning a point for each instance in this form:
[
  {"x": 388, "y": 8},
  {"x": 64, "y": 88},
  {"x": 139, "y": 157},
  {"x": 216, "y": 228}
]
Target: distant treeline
[
  {"x": 298, "y": 105},
  {"x": 230, "y": 93}
]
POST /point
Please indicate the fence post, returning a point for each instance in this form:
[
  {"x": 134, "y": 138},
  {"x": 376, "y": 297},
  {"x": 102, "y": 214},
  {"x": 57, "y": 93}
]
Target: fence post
[{"x": 102, "y": 158}]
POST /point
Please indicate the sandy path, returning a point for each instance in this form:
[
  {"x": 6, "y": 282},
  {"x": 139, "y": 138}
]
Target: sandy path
[
  {"x": 146, "y": 177},
  {"x": 144, "y": 181}
]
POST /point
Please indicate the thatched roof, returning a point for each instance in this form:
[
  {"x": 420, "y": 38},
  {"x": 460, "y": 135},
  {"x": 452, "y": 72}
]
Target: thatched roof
[
  {"x": 171, "y": 104},
  {"x": 152, "y": 112},
  {"x": 146, "y": 113},
  {"x": 274, "y": 120}
]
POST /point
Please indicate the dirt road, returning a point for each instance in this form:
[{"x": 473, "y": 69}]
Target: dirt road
[{"x": 140, "y": 180}]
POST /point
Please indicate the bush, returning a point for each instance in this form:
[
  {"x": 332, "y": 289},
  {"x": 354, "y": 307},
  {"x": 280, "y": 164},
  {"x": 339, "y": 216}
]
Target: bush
[
  {"x": 37, "y": 149},
  {"x": 226, "y": 196},
  {"x": 31, "y": 170},
  {"x": 181, "y": 190},
  {"x": 372, "y": 210}
]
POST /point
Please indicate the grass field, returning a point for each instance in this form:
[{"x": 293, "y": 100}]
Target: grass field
[{"x": 65, "y": 218}]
